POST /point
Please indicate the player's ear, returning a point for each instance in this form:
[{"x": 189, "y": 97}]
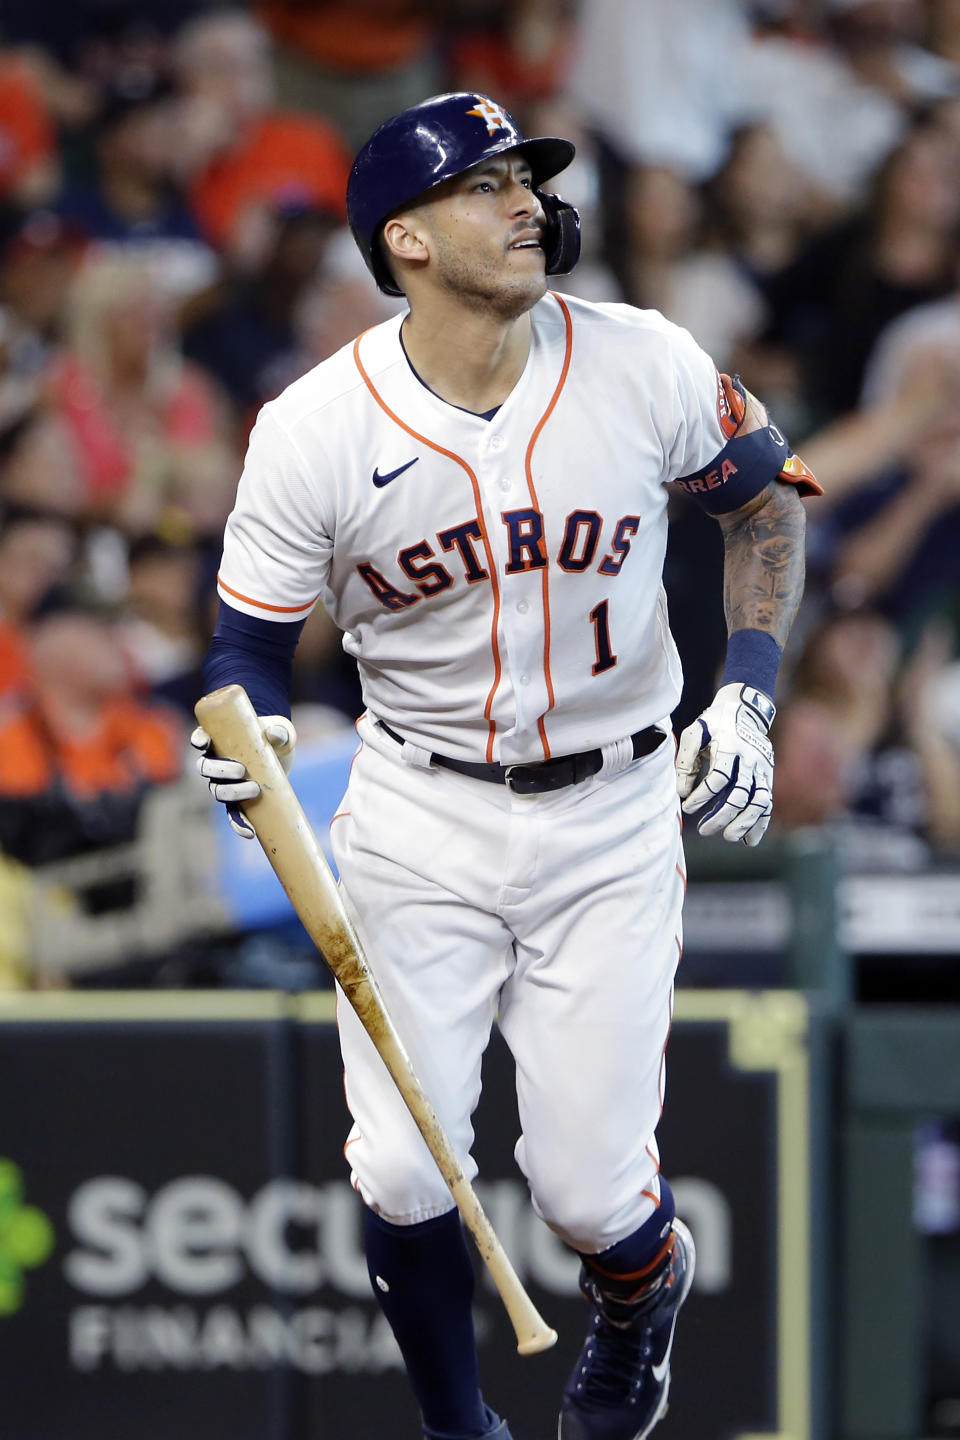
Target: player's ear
[{"x": 405, "y": 237}]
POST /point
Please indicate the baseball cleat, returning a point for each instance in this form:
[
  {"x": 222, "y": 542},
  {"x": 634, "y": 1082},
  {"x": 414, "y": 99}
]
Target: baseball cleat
[{"x": 619, "y": 1387}]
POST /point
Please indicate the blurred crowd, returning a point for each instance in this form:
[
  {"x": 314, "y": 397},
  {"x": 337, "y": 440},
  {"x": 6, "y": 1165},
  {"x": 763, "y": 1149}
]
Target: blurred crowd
[{"x": 780, "y": 177}]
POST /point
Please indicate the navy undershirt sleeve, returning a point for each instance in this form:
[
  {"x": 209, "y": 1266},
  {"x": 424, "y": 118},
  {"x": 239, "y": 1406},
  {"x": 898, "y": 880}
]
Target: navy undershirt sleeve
[{"x": 254, "y": 653}]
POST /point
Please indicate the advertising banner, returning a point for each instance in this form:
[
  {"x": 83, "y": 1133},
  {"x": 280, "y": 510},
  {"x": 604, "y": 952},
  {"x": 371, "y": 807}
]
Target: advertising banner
[{"x": 180, "y": 1246}]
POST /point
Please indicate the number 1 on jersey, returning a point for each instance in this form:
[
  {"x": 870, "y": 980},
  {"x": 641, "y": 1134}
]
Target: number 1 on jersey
[{"x": 600, "y": 616}]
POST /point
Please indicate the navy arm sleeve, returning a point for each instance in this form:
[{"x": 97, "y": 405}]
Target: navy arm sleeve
[{"x": 254, "y": 653}]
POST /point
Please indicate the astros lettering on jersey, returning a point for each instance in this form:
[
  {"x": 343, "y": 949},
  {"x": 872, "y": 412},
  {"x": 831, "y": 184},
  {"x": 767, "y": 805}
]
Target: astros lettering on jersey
[{"x": 529, "y": 546}]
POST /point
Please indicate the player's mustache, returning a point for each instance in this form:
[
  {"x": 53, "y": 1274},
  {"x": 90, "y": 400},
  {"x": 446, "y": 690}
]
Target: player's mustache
[{"x": 529, "y": 230}]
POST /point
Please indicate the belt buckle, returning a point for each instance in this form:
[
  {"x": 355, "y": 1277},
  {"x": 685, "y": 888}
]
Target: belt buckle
[
  {"x": 534, "y": 779},
  {"x": 518, "y": 779}
]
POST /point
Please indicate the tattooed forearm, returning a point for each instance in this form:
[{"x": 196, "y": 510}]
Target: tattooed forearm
[{"x": 763, "y": 564}]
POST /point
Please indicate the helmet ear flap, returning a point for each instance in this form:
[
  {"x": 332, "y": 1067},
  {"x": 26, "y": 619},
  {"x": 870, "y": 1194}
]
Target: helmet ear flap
[
  {"x": 377, "y": 262},
  {"x": 561, "y": 234}
]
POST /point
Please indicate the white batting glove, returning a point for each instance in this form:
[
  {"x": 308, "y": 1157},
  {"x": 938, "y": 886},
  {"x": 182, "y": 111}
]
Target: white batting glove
[
  {"x": 727, "y": 751},
  {"x": 228, "y": 778}
]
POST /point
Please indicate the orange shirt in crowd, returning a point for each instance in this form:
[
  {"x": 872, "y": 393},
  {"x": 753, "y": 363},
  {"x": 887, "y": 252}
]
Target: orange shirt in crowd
[
  {"x": 26, "y": 132},
  {"x": 286, "y": 158},
  {"x": 14, "y": 662},
  {"x": 131, "y": 744},
  {"x": 354, "y": 36}
]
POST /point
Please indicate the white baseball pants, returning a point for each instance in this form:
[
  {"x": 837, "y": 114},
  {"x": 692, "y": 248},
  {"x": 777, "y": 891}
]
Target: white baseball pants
[{"x": 558, "y": 915}]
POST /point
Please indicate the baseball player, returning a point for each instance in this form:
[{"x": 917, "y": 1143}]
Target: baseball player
[{"x": 476, "y": 491}]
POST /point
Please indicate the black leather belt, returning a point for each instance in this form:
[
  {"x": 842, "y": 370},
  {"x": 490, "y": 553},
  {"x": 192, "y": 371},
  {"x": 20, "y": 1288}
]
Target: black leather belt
[{"x": 548, "y": 774}]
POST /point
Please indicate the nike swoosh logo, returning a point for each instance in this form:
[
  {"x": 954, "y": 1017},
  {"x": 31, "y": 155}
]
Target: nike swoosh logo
[
  {"x": 381, "y": 480},
  {"x": 661, "y": 1371}
]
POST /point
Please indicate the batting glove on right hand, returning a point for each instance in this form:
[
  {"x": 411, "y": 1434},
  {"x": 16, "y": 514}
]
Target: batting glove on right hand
[
  {"x": 228, "y": 778},
  {"x": 727, "y": 751}
]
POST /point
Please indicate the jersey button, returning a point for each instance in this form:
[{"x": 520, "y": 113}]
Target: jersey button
[
  {"x": 496, "y": 442},
  {"x": 524, "y": 679},
  {"x": 504, "y": 483},
  {"x": 523, "y": 606}
]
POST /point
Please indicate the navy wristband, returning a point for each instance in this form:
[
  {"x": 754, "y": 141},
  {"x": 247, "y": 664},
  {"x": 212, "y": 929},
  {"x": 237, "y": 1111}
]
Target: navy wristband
[{"x": 753, "y": 658}]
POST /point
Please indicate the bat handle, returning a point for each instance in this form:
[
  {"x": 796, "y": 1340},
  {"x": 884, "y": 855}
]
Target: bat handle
[
  {"x": 533, "y": 1336},
  {"x": 532, "y": 1331},
  {"x": 542, "y": 1340}
]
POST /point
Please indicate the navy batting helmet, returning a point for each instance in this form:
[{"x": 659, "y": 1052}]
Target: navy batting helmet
[{"x": 440, "y": 138}]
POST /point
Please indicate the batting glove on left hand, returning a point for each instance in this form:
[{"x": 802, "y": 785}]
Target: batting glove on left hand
[
  {"x": 228, "y": 778},
  {"x": 727, "y": 750}
]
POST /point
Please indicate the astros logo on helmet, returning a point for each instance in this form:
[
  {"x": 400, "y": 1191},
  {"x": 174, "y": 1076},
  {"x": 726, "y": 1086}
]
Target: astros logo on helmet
[{"x": 492, "y": 114}]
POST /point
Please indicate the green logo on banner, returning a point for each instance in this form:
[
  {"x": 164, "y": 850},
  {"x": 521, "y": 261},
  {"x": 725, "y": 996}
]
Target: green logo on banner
[{"x": 26, "y": 1237}]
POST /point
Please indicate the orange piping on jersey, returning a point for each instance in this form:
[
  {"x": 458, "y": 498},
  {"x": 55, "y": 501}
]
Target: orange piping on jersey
[
  {"x": 663, "y": 1052},
  {"x": 345, "y": 814},
  {"x": 657, "y": 1199},
  {"x": 353, "y": 758},
  {"x": 544, "y": 582},
  {"x": 262, "y": 604},
  {"x": 458, "y": 459}
]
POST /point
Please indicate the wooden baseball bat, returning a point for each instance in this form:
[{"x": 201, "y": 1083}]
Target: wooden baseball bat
[{"x": 291, "y": 847}]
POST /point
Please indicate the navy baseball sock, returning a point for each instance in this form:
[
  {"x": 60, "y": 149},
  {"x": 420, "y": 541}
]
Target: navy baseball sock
[
  {"x": 423, "y": 1279},
  {"x": 626, "y": 1269}
]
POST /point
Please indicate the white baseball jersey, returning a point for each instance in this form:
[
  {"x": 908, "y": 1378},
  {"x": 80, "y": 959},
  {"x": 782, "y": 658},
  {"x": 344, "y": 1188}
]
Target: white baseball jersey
[{"x": 498, "y": 581}]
